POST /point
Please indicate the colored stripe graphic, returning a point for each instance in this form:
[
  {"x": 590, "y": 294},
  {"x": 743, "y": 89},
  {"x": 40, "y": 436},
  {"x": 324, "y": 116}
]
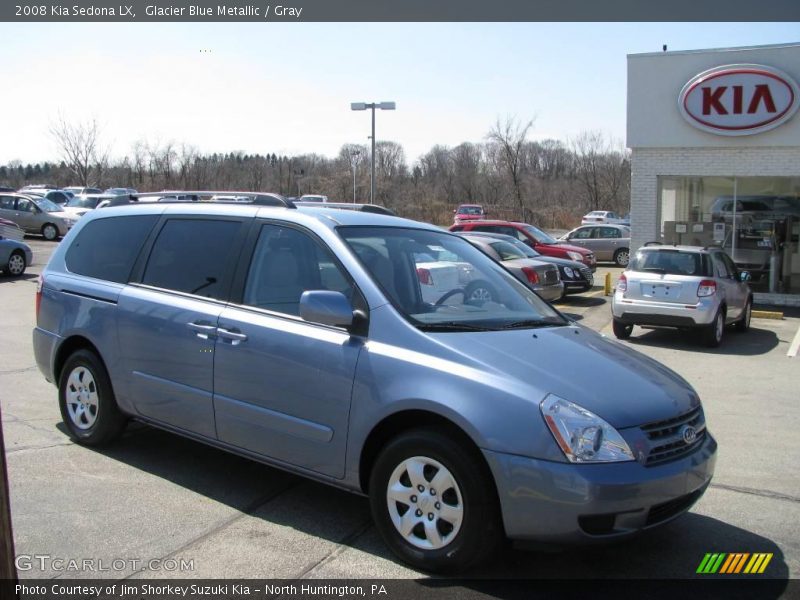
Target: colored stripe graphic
[{"x": 733, "y": 563}]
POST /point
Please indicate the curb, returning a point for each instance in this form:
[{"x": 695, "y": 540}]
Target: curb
[{"x": 767, "y": 314}]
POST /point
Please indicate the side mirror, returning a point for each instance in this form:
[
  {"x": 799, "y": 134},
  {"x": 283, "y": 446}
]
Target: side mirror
[
  {"x": 744, "y": 276},
  {"x": 326, "y": 308}
]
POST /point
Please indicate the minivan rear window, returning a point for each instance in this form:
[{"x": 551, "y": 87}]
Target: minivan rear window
[{"x": 107, "y": 248}]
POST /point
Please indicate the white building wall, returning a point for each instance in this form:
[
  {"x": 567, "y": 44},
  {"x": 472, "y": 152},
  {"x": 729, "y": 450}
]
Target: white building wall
[{"x": 648, "y": 163}]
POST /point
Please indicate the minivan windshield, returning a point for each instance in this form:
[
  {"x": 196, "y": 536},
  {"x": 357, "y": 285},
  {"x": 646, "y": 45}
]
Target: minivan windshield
[{"x": 440, "y": 282}]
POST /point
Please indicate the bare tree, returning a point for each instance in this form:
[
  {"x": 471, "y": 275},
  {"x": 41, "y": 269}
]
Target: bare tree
[
  {"x": 510, "y": 137},
  {"x": 602, "y": 167},
  {"x": 81, "y": 149}
]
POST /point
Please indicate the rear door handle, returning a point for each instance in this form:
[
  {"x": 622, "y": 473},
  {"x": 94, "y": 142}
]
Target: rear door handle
[
  {"x": 202, "y": 330},
  {"x": 234, "y": 337}
]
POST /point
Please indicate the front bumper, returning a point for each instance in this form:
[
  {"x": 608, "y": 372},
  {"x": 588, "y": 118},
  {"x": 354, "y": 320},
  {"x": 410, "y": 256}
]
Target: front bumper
[{"x": 568, "y": 503}]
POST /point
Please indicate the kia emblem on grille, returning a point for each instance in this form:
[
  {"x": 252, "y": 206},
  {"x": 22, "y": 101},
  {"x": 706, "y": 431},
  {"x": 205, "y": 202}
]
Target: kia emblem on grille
[{"x": 689, "y": 434}]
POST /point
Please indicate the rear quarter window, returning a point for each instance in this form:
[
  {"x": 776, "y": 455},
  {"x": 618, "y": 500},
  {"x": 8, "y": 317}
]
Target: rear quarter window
[{"x": 107, "y": 248}]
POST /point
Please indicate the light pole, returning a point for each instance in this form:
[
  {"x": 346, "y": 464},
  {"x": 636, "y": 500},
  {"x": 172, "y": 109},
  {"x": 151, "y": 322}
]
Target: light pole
[
  {"x": 353, "y": 157},
  {"x": 372, "y": 106}
]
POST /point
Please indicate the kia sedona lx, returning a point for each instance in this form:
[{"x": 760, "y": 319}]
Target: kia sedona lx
[{"x": 301, "y": 337}]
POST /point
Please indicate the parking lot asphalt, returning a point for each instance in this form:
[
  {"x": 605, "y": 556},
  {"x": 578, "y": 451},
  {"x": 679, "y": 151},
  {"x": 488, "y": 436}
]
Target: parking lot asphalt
[{"x": 156, "y": 496}]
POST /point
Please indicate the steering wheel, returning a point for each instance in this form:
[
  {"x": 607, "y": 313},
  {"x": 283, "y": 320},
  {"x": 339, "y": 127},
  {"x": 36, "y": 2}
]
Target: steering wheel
[{"x": 449, "y": 295}]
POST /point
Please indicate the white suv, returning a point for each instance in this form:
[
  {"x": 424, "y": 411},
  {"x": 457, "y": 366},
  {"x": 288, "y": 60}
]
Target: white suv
[{"x": 683, "y": 287}]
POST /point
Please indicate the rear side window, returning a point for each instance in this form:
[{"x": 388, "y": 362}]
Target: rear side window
[
  {"x": 107, "y": 248},
  {"x": 192, "y": 256}
]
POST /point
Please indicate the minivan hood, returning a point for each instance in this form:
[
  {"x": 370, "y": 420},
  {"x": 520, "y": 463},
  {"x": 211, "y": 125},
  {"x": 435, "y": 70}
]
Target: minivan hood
[{"x": 620, "y": 385}]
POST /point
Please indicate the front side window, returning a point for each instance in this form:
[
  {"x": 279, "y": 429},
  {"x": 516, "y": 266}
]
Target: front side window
[
  {"x": 583, "y": 234},
  {"x": 287, "y": 262},
  {"x": 440, "y": 282},
  {"x": 192, "y": 256},
  {"x": 24, "y": 205}
]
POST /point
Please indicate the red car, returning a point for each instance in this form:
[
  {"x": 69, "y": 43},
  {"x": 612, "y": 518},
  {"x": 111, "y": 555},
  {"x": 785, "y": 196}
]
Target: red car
[
  {"x": 469, "y": 212},
  {"x": 534, "y": 237}
]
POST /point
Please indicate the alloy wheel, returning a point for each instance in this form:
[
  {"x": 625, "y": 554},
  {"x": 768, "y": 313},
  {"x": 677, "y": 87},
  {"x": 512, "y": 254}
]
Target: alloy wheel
[{"x": 16, "y": 265}]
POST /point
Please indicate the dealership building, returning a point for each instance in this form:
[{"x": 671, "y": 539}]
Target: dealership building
[{"x": 715, "y": 157}]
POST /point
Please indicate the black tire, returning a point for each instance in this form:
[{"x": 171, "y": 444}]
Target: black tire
[
  {"x": 86, "y": 399},
  {"x": 16, "y": 264},
  {"x": 50, "y": 232},
  {"x": 622, "y": 257},
  {"x": 479, "y": 292},
  {"x": 622, "y": 331},
  {"x": 743, "y": 324},
  {"x": 712, "y": 334},
  {"x": 480, "y": 530}
]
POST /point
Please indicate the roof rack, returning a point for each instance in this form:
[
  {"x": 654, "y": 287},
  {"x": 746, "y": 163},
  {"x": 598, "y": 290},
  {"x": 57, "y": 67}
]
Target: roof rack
[
  {"x": 240, "y": 197},
  {"x": 653, "y": 244}
]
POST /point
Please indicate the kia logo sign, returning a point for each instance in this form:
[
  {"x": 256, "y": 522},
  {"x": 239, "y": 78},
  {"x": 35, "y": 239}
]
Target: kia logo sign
[{"x": 739, "y": 99}]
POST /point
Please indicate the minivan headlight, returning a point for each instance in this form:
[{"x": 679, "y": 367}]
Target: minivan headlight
[{"x": 582, "y": 435}]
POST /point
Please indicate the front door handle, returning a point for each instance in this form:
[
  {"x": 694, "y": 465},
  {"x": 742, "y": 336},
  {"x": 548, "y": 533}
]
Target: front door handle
[
  {"x": 202, "y": 330},
  {"x": 234, "y": 337}
]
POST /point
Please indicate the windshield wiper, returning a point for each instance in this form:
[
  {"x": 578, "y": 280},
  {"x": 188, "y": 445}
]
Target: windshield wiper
[
  {"x": 530, "y": 323},
  {"x": 452, "y": 326}
]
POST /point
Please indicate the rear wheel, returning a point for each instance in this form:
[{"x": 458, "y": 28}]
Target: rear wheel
[
  {"x": 479, "y": 292},
  {"x": 86, "y": 398},
  {"x": 743, "y": 324},
  {"x": 50, "y": 232},
  {"x": 433, "y": 502},
  {"x": 622, "y": 257},
  {"x": 712, "y": 335},
  {"x": 622, "y": 331},
  {"x": 16, "y": 264}
]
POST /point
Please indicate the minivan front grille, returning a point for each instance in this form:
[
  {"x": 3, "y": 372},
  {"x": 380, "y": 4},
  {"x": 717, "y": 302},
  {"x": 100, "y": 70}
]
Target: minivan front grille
[{"x": 666, "y": 439}]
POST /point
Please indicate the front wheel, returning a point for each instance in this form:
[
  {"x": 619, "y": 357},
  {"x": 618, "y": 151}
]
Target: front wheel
[
  {"x": 16, "y": 264},
  {"x": 86, "y": 398},
  {"x": 50, "y": 232},
  {"x": 434, "y": 502}
]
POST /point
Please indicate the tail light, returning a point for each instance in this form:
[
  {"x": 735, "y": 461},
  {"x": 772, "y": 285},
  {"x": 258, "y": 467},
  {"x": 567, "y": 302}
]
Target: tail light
[
  {"x": 531, "y": 275},
  {"x": 39, "y": 285},
  {"x": 622, "y": 283},
  {"x": 707, "y": 287},
  {"x": 424, "y": 276}
]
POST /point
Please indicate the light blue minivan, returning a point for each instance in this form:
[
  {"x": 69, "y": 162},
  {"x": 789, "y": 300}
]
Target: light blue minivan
[{"x": 302, "y": 337}]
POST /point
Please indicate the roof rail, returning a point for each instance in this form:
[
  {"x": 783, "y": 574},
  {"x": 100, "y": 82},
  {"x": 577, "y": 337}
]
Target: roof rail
[
  {"x": 228, "y": 196},
  {"x": 653, "y": 244},
  {"x": 368, "y": 208}
]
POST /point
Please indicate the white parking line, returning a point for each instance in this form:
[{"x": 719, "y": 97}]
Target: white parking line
[{"x": 795, "y": 345}]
